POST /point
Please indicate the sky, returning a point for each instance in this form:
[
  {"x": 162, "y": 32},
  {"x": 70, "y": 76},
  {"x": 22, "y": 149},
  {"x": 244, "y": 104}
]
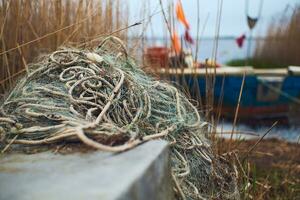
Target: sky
[{"x": 233, "y": 21}]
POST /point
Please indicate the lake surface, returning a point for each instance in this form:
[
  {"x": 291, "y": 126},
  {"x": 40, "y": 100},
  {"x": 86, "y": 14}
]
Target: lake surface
[
  {"x": 290, "y": 134},
  {"x": 227, "y": 48}
]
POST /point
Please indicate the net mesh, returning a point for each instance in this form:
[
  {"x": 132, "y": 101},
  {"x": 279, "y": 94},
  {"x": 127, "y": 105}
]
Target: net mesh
[{"x": 101, "y": 98}]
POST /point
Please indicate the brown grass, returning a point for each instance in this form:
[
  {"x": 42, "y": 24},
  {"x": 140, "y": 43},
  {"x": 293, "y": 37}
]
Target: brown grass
[
  {"x": 29, "y": 28},
  {"x": 281, "y": 45},
  {"x": 271, "y": 171}
]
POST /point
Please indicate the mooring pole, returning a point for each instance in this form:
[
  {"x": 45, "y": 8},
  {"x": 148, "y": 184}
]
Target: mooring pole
[{"x": 249, "y": 47}]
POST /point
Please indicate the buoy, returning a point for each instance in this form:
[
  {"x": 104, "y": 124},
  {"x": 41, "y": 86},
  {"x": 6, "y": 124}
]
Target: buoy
[{"x": 94, "y": 57}]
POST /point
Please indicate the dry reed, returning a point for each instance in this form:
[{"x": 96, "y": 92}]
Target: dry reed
[
  {"x": 29, "y": 28},
  {"x": 281, "y": 45}
]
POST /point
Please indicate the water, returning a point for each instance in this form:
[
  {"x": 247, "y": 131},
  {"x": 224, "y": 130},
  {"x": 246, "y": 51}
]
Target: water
[
  {"x": 227, "y": 48},
  {"x": 290, "y": 134}
]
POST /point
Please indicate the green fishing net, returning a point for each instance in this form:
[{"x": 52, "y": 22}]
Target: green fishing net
[{"x": 102, "y": 99}]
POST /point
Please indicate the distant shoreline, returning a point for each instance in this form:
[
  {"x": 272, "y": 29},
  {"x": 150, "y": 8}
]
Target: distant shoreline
[{"x": 202, "y": 38}]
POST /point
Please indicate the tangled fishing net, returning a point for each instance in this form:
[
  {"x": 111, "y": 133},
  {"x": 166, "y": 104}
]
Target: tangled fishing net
[{"x": 102, "y": 99}]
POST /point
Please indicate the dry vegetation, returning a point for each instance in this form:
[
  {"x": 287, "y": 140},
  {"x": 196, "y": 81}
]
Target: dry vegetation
[
  {"x": 270, "y": 171},
  {"x": 29, "y": 28},
  {"x": 281, "y": 46}
]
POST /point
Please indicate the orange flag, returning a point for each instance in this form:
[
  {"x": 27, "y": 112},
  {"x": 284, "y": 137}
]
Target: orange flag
[
  {"x": 180, "y": 15},
  {"x": 176, "y": 42}
]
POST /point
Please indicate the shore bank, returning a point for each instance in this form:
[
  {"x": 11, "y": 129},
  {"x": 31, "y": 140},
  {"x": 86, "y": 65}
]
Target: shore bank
[{"x": 272, "y": 168}]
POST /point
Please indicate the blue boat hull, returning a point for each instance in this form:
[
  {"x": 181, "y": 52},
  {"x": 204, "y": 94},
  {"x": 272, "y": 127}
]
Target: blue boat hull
[{"x": 262, "y": 97}]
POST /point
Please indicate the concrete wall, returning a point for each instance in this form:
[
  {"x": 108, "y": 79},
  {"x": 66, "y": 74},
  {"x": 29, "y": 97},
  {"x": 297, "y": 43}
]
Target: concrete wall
[{"x": 141, "y": 173}]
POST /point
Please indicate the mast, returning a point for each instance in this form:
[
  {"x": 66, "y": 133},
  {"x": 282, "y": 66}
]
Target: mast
[{"x": 251, "y": 21}]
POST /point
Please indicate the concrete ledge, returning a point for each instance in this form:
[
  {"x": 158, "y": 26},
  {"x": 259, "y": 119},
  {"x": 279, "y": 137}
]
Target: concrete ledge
[{"x": 141, "y": 173}]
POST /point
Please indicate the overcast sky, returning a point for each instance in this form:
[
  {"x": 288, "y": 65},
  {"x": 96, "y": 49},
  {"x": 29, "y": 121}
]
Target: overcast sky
[{"x": 233, "y": 22}]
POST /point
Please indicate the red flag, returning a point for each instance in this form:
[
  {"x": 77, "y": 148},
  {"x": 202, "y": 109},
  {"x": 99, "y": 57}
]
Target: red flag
[
  {"x": 180, "y": 15},
  {"x": 188, "y": 37},
  {"x": 240, "y": 40}
]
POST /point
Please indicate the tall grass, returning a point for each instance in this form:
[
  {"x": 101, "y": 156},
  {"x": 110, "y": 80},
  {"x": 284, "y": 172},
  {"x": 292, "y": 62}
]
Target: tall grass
[
  {"x": 29, "y": 28},
  {"x": 281, "y": 45}
]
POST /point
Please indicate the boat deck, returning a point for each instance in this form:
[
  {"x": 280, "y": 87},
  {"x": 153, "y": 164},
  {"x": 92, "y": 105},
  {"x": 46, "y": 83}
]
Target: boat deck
[{"x": 227, "y": 70}]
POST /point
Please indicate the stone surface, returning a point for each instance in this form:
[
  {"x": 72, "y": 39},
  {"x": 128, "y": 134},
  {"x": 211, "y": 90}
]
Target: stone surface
[{"x": 141, "y": 173}]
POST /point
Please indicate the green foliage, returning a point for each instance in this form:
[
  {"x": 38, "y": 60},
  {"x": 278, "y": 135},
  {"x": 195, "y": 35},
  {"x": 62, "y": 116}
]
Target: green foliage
[
  {"x": 283, "y": 185},
  {"x": 256, "y": 63}
]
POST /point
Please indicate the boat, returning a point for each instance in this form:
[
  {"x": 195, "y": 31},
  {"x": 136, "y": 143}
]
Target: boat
[
  {"x": 254, "y": 95},
  {"x": 267, "y": 94}
]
